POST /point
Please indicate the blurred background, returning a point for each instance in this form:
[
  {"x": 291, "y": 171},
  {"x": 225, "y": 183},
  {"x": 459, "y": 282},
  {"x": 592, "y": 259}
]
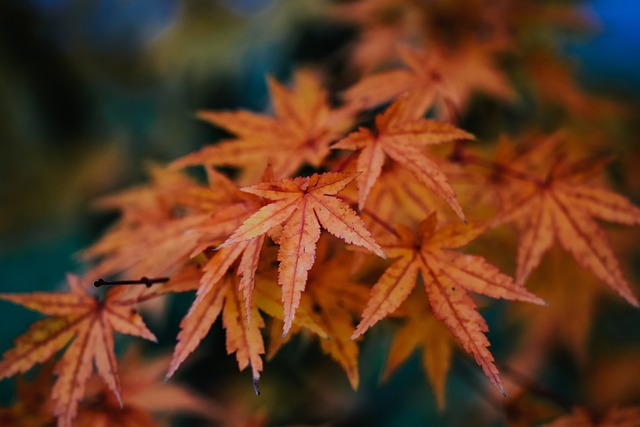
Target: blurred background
[{"x": 93, "y": 91}]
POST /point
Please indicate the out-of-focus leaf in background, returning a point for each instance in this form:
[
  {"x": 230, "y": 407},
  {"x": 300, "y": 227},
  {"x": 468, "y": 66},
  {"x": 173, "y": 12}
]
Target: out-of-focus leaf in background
[{"x": 90, "y": 90}]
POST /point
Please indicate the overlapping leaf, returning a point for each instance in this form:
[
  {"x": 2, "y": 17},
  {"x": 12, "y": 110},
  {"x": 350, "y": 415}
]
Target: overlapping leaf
[
  {"x": 85, "y": 321},
  {"x": 447, "y": 278},
  {"x": 447, "y": 78},
  {"x": 243, "y": 338},
  {"x": 402, "y": 139},
  {"x": 563, "y": 206},
  {"x": 174, "y": 216},
  {"x": 301, "y": 131},
  {"x": 301, "y": 205}
]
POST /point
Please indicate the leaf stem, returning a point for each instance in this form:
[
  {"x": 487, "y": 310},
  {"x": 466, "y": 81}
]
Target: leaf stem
[{"x": 142, "y": 281}]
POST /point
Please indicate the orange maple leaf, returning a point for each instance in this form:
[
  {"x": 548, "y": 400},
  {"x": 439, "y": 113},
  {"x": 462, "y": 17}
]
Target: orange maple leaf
[
  {"x": 172, "y": 215},
  {"x": 436, "y": 76},
  {"x": 300, "y": 133},
  {"x": 562, "y": 206},
  {"x": 88, "y": 319},
  {"x": 447, "y": 277},
  {"x": 403, "y": 139},
  {"x": 302, "y": 204}
]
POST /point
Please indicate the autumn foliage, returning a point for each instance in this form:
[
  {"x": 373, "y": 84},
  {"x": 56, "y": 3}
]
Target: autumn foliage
[{"x": 345, "y": 209}]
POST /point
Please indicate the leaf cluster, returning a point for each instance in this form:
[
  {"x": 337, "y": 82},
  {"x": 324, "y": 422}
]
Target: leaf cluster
[{"x": 397, "y": 186}]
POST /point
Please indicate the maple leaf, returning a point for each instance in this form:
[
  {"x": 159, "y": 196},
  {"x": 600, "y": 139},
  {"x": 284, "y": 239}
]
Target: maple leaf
[
  {"x": 213, "y": 213},
  {"x": 562, "y": 206},
  {"x": 447, "y": 78},
  {"x": 85, "y": 321},
  {"x": 447, "y": 278},
  {"x": 243, "y": 338},
  {"x": 301, "y": 205},
  {"x": 402, "y": 139},
  {"x": 303, "y": 127},
  {"x": 169, "y": 215}
]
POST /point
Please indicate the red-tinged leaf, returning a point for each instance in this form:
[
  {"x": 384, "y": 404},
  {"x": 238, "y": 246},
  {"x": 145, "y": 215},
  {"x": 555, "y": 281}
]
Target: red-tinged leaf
[
  {"x": 403, "y": 139},
  {"x": 196, "y": 324},
  {"x": 447, "y": 277},
  {"x": 243, "y": 338},
  {"x": 301, "y": 206},
  {"x": 89, "y": 323}
]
